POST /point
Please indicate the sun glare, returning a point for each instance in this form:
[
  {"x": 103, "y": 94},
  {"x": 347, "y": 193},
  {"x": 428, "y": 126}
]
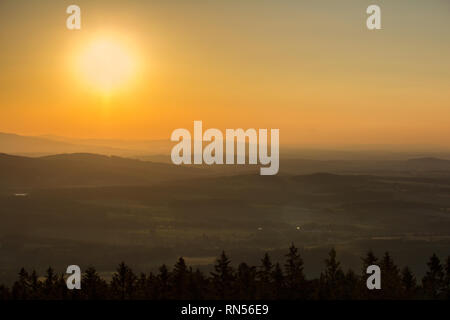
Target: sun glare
[{"x": 106, "y": 65}]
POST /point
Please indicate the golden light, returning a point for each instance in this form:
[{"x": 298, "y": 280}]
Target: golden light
[{"x": 106, "y": 65}]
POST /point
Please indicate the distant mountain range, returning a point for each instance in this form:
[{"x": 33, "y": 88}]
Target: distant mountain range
[
  {"x": 84, "y": 170},
  {"x": 47, "y": 145},
  {"x": 47, "y": 162},
  {"x": 408, "y": 167},
  {"x": 73, "y": 170},
  {"x": 159, "y": 150}
]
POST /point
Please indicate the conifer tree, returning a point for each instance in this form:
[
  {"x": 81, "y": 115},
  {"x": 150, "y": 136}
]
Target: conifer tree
[
  {"x": 278, "y": 281},
  {"x": 266, "y": 281},
  {"x": 123, "y": 282},
  {"x": 369, "y": 260},
  {"x": 163, "y": 287},
  {"x": 265, "y": 277},
  {"x": 197, "y": 285},
  {"x": 93, "y": 287},
  {"x": 294, "y": 277},
  {"x": 391, "y": 283},
  {"x": 433, "y": 282},
  {"x": 246, "y": 281},
  {"x": 332, "y": 278},
  {"x": 61, "y": 290},
  {"x": 151, "y": 287},
  {"x": 223, "y": 277},
  {"x": 409, "y": 283},
  {"x": 351, "y": 286},
  {"x": 35, "y": 285},
  {"x": 50, "y": 282},
  {"x": 180, "y": 275},
  {"x": 21, "y": 288}
]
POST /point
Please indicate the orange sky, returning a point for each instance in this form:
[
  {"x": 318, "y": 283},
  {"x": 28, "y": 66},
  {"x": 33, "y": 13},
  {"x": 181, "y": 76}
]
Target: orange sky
[{"x": 310, "y": 69}]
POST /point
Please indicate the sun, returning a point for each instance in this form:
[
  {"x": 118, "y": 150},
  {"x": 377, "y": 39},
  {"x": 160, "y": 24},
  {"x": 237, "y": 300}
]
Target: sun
[{"x": 106, "y": 65}]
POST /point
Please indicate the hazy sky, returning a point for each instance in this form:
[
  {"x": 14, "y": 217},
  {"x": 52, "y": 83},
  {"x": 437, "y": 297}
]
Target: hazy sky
[{"x": 309, "y": 68}]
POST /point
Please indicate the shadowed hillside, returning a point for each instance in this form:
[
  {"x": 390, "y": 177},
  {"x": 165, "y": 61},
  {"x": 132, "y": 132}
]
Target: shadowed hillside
[{"x": 85, "y": 170}]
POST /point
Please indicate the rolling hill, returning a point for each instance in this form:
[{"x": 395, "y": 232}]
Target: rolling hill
[{"x": 69, "y": 170}]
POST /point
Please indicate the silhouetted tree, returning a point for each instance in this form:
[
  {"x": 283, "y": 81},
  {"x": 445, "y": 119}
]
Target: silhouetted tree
[
  {"x": 278, "y": 282},
  {"x": 295, "y": 279},
  {"x": 93, "y": 287},
  {"x": 223, "y": 277},
  {"x": 123, "y": 283},
  {"x": 62, "y": 292},
  {"x": 180, "y": 276},
  {"x": 246, "y": 281},
  {"x": 351, "y": 286},
  {"x": 35, "y": 285},
  {"x": 141, "y": 287},
  {"x": 391, "y": 282},
  {"x": 50, "y": 283},
  {"x": 265, "y": 277},
  {"x": 149, "y": 287},
  {"x": 163, "y": 285},
  {"x": 332, "y": 279},
  {"x": 197, "y": 285},
  {"x": 267, "y": 281},
  {"x": 21, "y": 288},
  {"x": 433, "y": 282},
  {"x": 369, "y": 260},
  {"x": 409, "y": 284}
]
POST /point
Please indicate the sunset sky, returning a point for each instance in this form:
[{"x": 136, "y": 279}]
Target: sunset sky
[{"x": 309, "y": 68}]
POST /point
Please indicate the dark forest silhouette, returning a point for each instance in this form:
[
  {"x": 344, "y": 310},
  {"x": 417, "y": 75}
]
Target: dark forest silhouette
[{"x": 268, "y": 281}]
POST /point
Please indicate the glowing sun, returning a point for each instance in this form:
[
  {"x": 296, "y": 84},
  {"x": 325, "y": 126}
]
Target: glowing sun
[{"x": 106, "y": 65}]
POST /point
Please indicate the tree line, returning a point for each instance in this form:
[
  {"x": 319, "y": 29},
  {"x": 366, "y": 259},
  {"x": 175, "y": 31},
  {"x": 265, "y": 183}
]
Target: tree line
[{"x": 267, "y": 281}]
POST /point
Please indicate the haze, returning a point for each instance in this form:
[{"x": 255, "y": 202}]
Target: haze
[{"x": 311, "y": 69}]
